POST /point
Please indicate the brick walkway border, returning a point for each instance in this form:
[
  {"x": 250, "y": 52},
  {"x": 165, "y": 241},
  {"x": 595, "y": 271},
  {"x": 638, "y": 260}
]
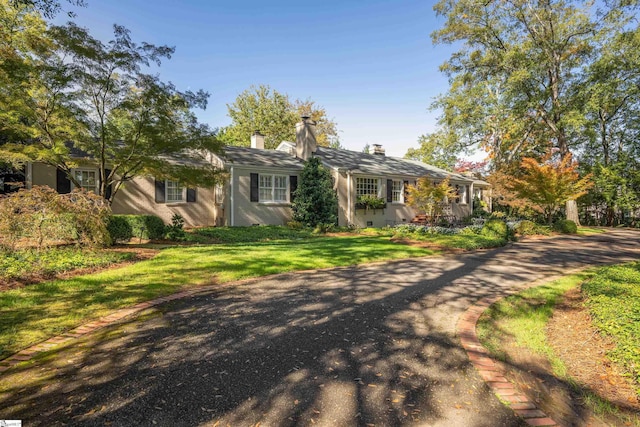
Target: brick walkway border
[{"x": 492, "y": 371}]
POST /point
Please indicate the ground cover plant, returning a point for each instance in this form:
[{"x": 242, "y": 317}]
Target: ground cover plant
[
  {"x": 613, "y": 299},
  {"x": 26, "y": 265}
]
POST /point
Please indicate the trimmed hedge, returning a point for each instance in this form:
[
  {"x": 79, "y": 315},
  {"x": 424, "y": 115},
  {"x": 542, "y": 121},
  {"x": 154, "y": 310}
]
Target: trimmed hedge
[
  {"x": 565, "y": 226},
  {"x": 125, "y": 227}
]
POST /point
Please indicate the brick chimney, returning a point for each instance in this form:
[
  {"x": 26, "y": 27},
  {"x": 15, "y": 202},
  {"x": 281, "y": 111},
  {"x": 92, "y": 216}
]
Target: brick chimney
[
  {"x": 377, "y": 149},
  {"x": 306, "y": 143},
  {"x": 257, "y": 140}
]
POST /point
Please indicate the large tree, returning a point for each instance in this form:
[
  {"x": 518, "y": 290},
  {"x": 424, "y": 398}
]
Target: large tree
[
  {"x": 78, "y": 100},
  {"x": 274, "y": 115},
  {"x": 438, "y": 149},
  {"x": 515, "y": 81}
]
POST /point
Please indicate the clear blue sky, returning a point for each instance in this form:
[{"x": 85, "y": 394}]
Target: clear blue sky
[{"x": 370, "y": 64}]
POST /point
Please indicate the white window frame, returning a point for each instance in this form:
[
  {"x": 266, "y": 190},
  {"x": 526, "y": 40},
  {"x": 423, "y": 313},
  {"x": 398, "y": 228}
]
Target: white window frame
[
  {"x": 397, "y": 193},
  {"x": 267, "y": 191},
  {"x": 97, "y": 178},
  {"x": 183, "y": 192},
  {"x": 364, "y": 183},
  {"x": 462, "y": 199}
]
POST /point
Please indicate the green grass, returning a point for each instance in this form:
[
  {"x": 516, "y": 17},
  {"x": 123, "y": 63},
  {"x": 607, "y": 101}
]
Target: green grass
[
  {"x": 585, "y": 231},
  {"x": 36, "y": 312},
  {"x": 524, "y": 317},
  {"x": 47, "y": 262},
  {"x": 613, "y": 299}
]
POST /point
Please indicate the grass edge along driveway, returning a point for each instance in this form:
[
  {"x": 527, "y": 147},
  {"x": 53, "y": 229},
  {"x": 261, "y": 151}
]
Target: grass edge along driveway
[{"x": 37, "y": 312}]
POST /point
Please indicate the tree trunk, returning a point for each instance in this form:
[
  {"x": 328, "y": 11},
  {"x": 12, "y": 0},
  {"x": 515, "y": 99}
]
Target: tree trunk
[{"x": 572, "y": 211}]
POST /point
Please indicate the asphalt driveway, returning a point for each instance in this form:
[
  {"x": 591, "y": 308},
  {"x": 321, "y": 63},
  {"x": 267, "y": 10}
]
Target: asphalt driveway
[{"x": 367, "y": 345}]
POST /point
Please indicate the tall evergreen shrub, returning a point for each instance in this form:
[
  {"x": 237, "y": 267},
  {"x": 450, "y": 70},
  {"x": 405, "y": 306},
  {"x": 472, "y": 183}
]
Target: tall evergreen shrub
[{"x": 315, "y": 202}]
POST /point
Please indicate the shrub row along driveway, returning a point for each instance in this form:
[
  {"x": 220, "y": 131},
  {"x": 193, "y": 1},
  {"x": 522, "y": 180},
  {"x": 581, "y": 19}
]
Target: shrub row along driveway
[{"x": 361, "y": 345}]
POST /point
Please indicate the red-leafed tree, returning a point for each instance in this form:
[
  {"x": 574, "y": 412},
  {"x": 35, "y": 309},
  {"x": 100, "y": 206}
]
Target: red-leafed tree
[{"x": 547, "y": 184}]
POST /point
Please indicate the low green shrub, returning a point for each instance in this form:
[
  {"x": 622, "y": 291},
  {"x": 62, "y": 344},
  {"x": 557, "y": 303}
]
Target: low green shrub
[
  {"x": 495, "y": 228},
  {"x": 175, "y": 231},
  {"x": 526, "y": 228},
  {"x": 144, "y": 226},
  {"x": 295, "y": 225},
  {"x": 119, "y": 229},
  {"x": 565, "y": 226},
  {"x": 323, "y": 228}
]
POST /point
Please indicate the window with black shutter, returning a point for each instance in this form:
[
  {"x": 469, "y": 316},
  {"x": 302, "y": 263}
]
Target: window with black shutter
[
  {"x": 63, "y": 184},
  {"x": 293, "y": 185},
  {"x": 159, "y": 184},
  {"x": 254, "y": 191}
]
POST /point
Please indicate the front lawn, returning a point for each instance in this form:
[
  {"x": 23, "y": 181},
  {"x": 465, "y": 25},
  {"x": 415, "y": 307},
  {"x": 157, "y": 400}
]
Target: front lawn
[{"x": 39, "y": 311}]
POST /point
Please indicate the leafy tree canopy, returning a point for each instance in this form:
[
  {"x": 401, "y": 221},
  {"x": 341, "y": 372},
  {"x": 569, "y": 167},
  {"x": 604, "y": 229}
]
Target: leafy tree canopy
[
  {"x": 436, "y": 149},
  {"x": 77, "y": 100},
  {"x": 430, "y": 197},
  {"x": 275, "y": 116},
  {"x": 547, "y": 184}
]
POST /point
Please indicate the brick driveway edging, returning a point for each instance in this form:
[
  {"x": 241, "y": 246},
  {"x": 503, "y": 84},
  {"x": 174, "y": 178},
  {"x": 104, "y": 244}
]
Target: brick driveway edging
[
  {"x": 492, "y": 371},
  {"x": 86, "y": 328}
]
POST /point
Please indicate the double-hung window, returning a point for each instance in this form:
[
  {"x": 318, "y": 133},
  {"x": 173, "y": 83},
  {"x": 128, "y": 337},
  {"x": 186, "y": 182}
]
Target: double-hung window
[
  {"x": 174, "y": 192},
  {"x": 273, "y": 188},
  {"x": 397, "y": 191},
  {"x": 367, "y": 187},
  {"x": 87, "y": 179}
]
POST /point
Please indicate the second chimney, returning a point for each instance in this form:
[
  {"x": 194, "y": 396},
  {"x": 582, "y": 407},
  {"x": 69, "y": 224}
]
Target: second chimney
[
  {"x": 377, "y": 149},
  {"x": 306, "y": 143},
  {"x": 257, "y": 140}
]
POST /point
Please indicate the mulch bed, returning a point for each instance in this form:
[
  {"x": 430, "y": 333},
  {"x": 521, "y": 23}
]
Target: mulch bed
[{"x": 583, "y": 351}]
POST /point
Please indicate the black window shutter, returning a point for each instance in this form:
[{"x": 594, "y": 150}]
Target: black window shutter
[
  {"x": 63, "y": 184},
  {"x": 468, "y": 188},
  {"x": 159, "y": 183},
  {"x": 406, "y": 191},
  {"x": 389, "y": 190},
  {"x": 107, "y": 192},
  {"x": 254, "y": 196},
  {"x": 191, "y": 195},
  {"x": 293, "y": 185}
]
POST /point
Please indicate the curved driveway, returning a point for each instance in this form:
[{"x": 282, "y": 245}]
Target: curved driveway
[{"x": 366, "y": 345}]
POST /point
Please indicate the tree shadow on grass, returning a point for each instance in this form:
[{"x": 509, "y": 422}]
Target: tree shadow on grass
[{"x": 349, "y": 346}]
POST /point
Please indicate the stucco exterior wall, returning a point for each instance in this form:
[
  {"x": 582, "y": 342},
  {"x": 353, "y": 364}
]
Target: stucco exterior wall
[
  {"x": 394, "y": 213},
  {"x": 247, "y": 213},
  {"x": 42, "y": 174},
  {"x": 138, "y": 197}
]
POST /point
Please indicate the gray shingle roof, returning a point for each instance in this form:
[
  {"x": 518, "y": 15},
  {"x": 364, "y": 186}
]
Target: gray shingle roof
[
  {"x": 376, "y": 164},
  {"x": 244, "y": 156}
]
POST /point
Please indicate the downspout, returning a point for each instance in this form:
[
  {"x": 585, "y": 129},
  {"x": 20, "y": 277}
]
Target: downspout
[
  {"x": 232, "y": 204},
  {"x": 29, "y": 175},
  {"x": 349, "y": 212}
]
